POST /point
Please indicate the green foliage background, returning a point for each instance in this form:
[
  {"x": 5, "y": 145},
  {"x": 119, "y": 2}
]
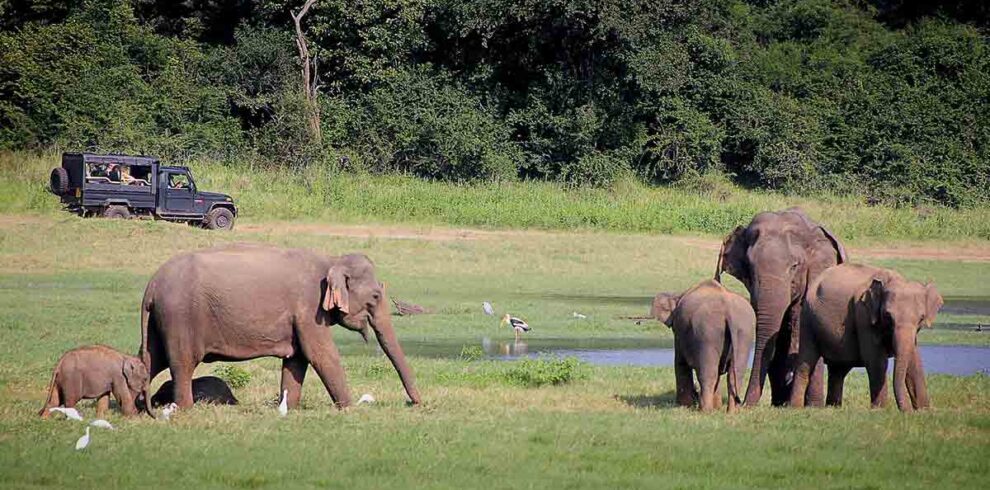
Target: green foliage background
[{"x": 881, "y": 99}]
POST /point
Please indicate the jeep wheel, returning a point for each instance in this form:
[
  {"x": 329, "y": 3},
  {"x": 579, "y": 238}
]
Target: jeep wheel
[
  {"x": 58, "y": 182},
  {"x": 219, "y": 219},
  {"x": 117, "y": 212}
]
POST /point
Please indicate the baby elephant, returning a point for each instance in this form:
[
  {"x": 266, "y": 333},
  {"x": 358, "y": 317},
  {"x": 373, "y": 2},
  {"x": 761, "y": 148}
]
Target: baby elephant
[
  {"x": 207, "y": 389},
  {"x": 713, "y": 335},
  {"x": 96, "y": 372},
  {"x": 857, "y": 315}
]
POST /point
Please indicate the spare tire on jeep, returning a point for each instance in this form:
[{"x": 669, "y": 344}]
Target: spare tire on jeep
[{"x": 59, "y": 181}]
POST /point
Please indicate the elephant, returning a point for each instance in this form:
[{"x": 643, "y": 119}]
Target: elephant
[
  {"x": 713, "y": 335},
  {"x": 859, "y": 316},
  {"x": 96, "y": 372},
  {"x": 775, "y": 257},
  {"x": 206, "y": 389},
  {"x": 246, "y": 301}
]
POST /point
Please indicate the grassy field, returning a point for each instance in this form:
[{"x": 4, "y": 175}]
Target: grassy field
[
  {"x": 66, "y": 281},
  {"x": 709, "y": 206}
]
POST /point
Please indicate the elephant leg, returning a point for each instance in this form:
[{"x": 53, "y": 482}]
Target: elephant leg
[
  {"x": 182, "y": 374},
  {"x": 293, "y": 374},
  {"x": 815, "y": 395},
  {"x": 916, "y": 384},
  {"x": 684, "y": 380},
  {"x": 319, "y": 348},
  {"x": 876, "y": 370},
  {"x": 102, "y": 405},
  {"x": 716, "y": 397},
  {"x": 836, "y": 379},
  {"x": 708, "y": 378}
]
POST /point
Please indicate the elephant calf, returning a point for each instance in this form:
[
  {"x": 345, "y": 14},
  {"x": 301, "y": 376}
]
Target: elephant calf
[
  {"x": 96, "y": 372},
  {"x": 713, "y": 335},
  {"x": 857, "y": 315},
  {"x": 205, "y": 389}
]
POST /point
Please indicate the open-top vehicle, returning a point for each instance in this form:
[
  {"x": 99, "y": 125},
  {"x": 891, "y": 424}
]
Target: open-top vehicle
[{"x": 122, "y": 186}]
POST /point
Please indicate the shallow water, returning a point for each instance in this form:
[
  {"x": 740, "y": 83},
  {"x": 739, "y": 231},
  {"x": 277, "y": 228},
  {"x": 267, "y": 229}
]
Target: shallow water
[{"x": 941, "y": 359}]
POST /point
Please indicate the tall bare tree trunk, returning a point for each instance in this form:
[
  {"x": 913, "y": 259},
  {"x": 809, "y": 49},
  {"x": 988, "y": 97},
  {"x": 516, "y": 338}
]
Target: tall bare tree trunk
[{"x": 309, "y": 78}]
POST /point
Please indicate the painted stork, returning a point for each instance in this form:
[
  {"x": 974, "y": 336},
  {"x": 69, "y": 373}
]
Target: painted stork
[{"x": 517, "y": 324}]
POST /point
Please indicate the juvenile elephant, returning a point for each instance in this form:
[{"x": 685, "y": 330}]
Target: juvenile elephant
[
  {"x": 775, "y": 257},
  {"x": 206, "y": 389},
  {"x": 713, "y": 335},
  {"x": 247, "y": 301},
  {"x": 96, "y": 372},
  {"x": 857, "y": 315}
]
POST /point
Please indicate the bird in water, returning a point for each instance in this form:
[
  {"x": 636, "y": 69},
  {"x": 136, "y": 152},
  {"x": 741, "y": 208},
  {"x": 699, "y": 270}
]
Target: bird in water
[
  {"x": 68, "y": 412},
  {"x": 488, "y": 308},
  {"x": 283, "y": 408},
  {"x": 83, "y": 441},
  {"x": 518, "y": 325},
  {"x": 103, "y": 424}
]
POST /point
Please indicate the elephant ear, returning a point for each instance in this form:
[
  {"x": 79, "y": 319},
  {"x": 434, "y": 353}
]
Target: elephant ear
[
  {"x": 732, "y": 257},
  {"x": 336, "y": 295},
  {"x": 135, "y": 373},
  {"x": 871, "y": 302},
  {"x": 840, "y": 251},
  {"x": 933, "y": 303}
]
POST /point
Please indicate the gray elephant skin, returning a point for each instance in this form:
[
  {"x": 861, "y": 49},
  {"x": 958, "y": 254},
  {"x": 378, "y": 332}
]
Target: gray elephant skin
[
  {"x": 859, "y": 316},
  {"x": 247, "y": 301},
  {"x": 713, "y": 335},
  {"x": 775, "y": 257}
]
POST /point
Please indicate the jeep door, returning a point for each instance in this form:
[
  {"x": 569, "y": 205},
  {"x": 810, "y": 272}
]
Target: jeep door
[{"x": 177, "y": 192}]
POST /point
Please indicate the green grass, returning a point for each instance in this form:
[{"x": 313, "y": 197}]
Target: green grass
[
  {"x": 66, "y": 281},
  {"x": 707, "y": 206}
]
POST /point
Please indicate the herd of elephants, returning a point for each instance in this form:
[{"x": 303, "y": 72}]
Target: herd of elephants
[{"x": 809, "y": 307}]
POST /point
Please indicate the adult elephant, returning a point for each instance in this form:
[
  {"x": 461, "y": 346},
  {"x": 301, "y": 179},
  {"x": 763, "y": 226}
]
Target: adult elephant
[
  {"x": 247, "y": 301},
  {"x": 775, "y": 257}
]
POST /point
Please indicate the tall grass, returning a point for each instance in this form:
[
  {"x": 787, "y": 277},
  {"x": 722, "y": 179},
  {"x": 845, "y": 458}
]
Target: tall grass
[{"x": 706, "y": 206}]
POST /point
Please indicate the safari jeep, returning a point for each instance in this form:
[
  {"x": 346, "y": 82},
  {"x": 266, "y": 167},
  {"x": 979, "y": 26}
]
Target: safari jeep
[{"x": 122, "y": 186}]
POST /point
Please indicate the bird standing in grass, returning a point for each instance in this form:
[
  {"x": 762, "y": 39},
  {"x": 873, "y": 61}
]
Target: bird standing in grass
[
  {"x": 83, "y": 441},
  {"x": 283, "y": 408},
  {"x": 517, "y": 324},
  {"x": 487, "y": 307}
]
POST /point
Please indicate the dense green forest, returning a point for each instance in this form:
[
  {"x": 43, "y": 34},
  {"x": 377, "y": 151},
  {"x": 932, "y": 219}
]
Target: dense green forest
[{"x": 887, "y": 99}]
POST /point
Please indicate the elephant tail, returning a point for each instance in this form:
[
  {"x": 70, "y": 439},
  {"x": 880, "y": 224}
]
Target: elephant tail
[
  {"x": 146, "y": 305},
  {"x": 51, "y": 388},
  {"x": 731, "y": 362}
]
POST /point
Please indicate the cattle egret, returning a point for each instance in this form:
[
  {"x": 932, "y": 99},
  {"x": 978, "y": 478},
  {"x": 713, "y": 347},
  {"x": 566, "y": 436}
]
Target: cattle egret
[
  {"x": 579, "y": 316},
  {"x": 283, "y": 408},
  {"x": 68, "y": 412},
  {"x": 103, "y": 424},
  {"x": 488, "y": 308},
  {"x": 366, "y": 398},
  {"x": 83, "y": 441},
  {"x": 517, "y": 324},
  {"x": 169, "y": 410}
]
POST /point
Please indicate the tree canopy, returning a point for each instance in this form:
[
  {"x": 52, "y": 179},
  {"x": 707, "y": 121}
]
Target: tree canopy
[{"x": 884, "y": 98}]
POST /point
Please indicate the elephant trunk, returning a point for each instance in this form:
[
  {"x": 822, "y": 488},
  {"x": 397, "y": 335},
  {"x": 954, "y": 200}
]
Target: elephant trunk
[
  {"x": 147, "y": 402},
  {"x": 904, "y": 353},
  {"x": 770, "y": 303},
  {"x": 384, "y": 331}
]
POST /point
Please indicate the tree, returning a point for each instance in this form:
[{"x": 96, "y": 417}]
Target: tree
[{"x": 310, "y": 77}]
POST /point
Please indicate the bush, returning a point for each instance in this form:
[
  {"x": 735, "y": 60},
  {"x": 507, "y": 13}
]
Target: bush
[
  {"x": 235, "y": 376},
  {"x": 545, "y": 370},
  {"x": 471, "y": 353}
]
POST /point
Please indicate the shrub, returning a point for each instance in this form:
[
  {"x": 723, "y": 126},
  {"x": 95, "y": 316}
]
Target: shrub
[
  {"x": 235, "y": 376},
  {"x": 544, "y": 370},
  {"x": 471, "y": 353}
]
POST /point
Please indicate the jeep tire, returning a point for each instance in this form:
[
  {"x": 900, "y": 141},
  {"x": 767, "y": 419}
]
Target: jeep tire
[
  {"x": 219, "y": 219},
  {"x": 58, "y": 182},
  {"x": 117, "y": 211}
]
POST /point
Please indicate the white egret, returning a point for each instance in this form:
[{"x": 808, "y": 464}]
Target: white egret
[
  {"x": 283, "y": 408},
  {"x": 103, "y": 424},
  {"x": 366, "y": 398},
  {"x": 169, "y": 410},
  {"x": 517, "y": 324},
  {"x": 68, "y": 412},
  {"x": 83, "y": 441},
  {"x": 488, "y": 308},
  {"x": 579, "y": 316}
]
